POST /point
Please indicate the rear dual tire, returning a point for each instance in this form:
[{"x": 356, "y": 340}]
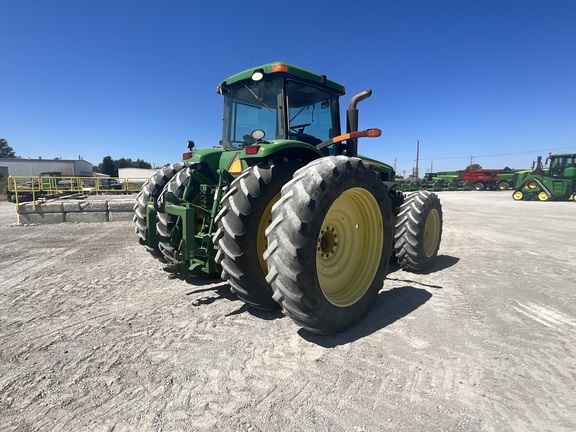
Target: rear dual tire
[
  {"x": 151, "y": 190},
  {"x": 246, "y": 212},
  {"x": 418, "y": 231},
  {"x": 329, "y": 243}
]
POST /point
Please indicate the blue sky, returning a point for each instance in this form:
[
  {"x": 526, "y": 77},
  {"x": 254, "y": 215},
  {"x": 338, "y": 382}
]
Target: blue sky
[{"x": 492, "y": 81}]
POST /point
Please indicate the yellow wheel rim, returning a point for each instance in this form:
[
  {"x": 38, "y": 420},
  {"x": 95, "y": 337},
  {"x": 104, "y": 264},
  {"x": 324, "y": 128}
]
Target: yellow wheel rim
[
  {"x": 261, "y": 242},
  {"x": 531, "y": 185},
  {"x": 349, "y": 247},
  {"x": 431, "y": 233},
  {"x": 543, "y": 196},
  {"x": 517, "y": 195}
]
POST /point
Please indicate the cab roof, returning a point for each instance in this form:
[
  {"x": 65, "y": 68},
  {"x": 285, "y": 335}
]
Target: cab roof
[{"x": 288, "y": 70}]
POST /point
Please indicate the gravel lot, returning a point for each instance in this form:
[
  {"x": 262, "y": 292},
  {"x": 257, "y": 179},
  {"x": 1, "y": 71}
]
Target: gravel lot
[{"x": 95, "y": 336}]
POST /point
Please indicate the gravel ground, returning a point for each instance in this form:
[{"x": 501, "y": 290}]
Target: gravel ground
[{"x": 95, "y": 336}]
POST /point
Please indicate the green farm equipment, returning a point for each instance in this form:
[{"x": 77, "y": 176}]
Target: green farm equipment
[
  {"x": 431, "y": 182},
  {"x": 284, "y": 209},
  {"x": 506, "y": 178},
  {"x": 557, "y": 182},
  {"x": 452, "y": 181}
]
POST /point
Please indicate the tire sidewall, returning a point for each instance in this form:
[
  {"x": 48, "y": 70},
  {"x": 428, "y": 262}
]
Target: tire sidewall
[
  {"x": 281, "y": 173},
  {"x": 410, "y": 231},
  {"x": 334, "y": 317}
]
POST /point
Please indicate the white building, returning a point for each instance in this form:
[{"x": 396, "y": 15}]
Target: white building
[{"x": 136, "y": 173}]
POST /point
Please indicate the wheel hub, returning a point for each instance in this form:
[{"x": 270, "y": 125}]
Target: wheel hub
[
  {"x": 349, "y": 247},
  {"x": 327, "y": 242}
]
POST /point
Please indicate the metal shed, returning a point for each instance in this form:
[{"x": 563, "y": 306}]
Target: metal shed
[{"x": 33, "y": 167}]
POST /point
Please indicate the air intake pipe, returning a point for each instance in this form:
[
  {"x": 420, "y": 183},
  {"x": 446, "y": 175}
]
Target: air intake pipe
[{"x": 352, "y": 122}]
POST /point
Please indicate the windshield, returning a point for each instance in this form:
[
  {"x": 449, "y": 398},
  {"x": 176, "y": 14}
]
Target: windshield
[
  {"x": 312, "y": 115},
  {"x": 558, "y": 164},
  {"x": 255, "y": 106}
]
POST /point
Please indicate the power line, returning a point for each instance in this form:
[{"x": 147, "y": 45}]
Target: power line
[{"x": 493, "y": 155}]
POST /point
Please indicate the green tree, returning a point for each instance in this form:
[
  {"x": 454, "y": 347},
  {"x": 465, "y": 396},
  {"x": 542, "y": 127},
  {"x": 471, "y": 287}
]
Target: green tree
[
  {"x": 108, "y": 166},
  {"x": 124, "y": 163},
  {"x": 142, "y": 164},
  {"x": 5, "y": 150},
  {"x": 474, "y": 167}
]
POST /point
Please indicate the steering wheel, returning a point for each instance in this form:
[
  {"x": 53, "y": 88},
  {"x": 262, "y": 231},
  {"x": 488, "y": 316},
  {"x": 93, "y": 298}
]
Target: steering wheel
[{"x": 303, "y": 126}]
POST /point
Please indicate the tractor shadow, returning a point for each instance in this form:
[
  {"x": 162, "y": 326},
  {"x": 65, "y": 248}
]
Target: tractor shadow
[
  {"x": 390, "y": 306},
  {"x": 220, "y": 290},
  {"x": 442, "y": 263},
  {"x": 217, "y": 290}
]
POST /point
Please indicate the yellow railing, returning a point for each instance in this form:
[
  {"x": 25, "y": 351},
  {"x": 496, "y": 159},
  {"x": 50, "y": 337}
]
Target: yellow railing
[{"x": 25, "y": 188}]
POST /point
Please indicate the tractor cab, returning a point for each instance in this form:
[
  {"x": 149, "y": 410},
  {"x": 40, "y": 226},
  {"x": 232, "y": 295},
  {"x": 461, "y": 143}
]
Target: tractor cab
[
  {"x": 563, "y": 166},
  {"x": 278, "y": 102}
]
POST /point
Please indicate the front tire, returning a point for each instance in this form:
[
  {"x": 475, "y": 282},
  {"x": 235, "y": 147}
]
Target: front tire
[
  {"x": 166, "y": 222},
  {"x": 329, "y": 243},
  {"x": 152, "y": 190},
  {"x": 246, "y": 212},
  {"x": 418, "y": 231}
]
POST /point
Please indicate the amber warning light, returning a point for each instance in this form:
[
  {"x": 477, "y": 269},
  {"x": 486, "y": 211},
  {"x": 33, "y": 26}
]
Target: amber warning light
[{"x": 370, "y": 133}]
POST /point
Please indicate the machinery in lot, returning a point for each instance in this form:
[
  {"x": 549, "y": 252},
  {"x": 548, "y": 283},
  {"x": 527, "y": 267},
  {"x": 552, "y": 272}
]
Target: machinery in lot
[
  {"x": 446, "y": 180},
  {"x": 285, "y": 209},
  {"x": 506, "y": 178},
  {"x": 54, "y": 184},
  {"x": 556, "y": 182},
  {"x": 485, "y": 179},
  {"x": 49, "y": 183}
]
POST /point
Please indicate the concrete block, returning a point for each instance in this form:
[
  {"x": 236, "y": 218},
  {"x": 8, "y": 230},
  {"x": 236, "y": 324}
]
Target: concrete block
[
  {"x": 72, "y": 206},
  {"x": 91, "y": 216},
  {"x": 121, "y": 206},
  {"x": 120, "y": 216},
  {"x": 40, "y": 218},
  {"x": 49, "y": 207},
  {"x": 94, "y": 206}
]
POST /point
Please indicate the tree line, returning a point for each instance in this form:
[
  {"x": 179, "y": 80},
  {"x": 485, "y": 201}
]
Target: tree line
[{"x": 110, "y": 166}]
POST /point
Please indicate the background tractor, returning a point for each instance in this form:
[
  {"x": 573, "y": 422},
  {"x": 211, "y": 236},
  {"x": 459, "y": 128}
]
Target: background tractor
[
  {"x": 557, "y": 182},
  {"x": 284, "y": 209}
]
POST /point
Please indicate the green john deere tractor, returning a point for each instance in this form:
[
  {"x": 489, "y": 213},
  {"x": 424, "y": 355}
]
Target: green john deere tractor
[
  {"x": 557, "y": 182},
  {"x": 284, "y": 209}
]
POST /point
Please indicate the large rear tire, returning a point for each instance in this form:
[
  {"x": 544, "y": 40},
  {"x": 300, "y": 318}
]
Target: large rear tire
[
  {"x": 329, "y": 243},
  {"x": 152, "y": 190},
  {"x": 418, "y": 231},
  {"x": 167, "y": 222},
  {"x": 246, "y": 212}
]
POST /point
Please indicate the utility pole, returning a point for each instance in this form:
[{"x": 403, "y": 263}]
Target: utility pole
[
  {"x": 417, "y": 158},
  {"x": 471, "y": 159},
  {"x": 432, "y": 166},
  {"x": 395, "y": 164}
]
